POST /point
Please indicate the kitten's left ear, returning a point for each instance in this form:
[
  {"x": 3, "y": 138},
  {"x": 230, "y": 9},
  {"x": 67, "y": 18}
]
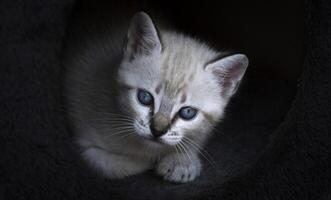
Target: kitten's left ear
[
  {"x": 229, "y": 72},
  {"x": 142, "y": 38}
]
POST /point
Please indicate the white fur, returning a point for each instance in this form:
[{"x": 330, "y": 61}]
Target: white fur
[{"x": 180, "y": 69}]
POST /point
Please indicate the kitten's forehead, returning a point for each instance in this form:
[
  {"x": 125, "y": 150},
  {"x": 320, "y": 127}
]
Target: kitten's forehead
[{"x": 183, "y": 59}]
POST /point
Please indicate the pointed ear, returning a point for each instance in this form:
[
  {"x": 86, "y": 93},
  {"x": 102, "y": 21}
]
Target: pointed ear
[
  {"x": 229, "y": 72},
  {"x": 142, "y": 38}
]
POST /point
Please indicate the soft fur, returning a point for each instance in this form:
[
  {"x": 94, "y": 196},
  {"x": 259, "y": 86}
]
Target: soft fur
[{"x": 115, "y": 131}]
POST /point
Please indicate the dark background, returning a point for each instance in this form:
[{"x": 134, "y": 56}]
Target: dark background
[
  {"x": 270, "y": 32},
  {"x": 273, "y": 144}
]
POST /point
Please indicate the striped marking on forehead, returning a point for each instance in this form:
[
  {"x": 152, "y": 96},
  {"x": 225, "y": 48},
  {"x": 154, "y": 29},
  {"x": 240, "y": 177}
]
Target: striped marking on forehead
[
  {"x": 173, "y": 89},
  {"x": 166, "y": 106},
  {"x": 183, "y": 98},
  {"x": 158, "y": 88},
  {"x": 178, "y": 70}
]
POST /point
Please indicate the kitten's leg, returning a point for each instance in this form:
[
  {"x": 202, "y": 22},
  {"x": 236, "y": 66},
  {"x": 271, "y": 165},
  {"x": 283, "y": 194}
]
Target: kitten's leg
[
  {"x": 180, "y": 167},
  {"x": 114, "y": 165}
]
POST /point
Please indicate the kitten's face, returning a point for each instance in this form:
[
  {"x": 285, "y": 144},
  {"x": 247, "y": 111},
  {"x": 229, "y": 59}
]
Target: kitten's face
[
  {"x": 168, "y": 111},
  {"x": 173, "y": 94}
]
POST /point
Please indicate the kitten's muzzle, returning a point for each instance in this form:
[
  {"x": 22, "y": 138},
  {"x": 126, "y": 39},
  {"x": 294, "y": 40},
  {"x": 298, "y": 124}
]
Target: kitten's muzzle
[{"x": 160, "y": 124}]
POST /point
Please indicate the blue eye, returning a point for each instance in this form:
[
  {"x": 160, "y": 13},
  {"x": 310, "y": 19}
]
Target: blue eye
[
  {"x": 145, "y": 97},
  {"x": 187, "y": 113}
]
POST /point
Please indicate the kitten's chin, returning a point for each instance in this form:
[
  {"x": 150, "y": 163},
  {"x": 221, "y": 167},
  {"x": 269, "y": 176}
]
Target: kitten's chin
[
  {"x": 151, "y": 141},
  {"x": 155, "y": 142},
  {"x": 158, "y": 142},
  {"x": 169, "y": 143}
]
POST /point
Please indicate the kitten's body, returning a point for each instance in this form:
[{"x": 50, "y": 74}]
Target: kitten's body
[{"x": 116, "y": 133}]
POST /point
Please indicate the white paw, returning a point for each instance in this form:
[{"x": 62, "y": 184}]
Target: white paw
[{"x": 178, "y": 169}]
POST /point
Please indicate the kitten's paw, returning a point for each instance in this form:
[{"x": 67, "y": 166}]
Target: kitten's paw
[{"x": 178, "y": 169}]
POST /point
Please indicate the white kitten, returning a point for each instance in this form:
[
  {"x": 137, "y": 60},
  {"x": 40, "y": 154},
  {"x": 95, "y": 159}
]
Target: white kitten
[{"x": 152, "y": 105}]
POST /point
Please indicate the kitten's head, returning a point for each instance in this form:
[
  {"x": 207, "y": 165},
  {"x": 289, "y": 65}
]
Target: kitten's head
[{"x": 176, "y": 87}]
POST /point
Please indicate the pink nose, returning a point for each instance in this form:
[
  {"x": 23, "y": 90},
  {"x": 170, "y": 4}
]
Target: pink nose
[
  {"x": 160, "y": 124},
  {"x": 158, "y": 133}
]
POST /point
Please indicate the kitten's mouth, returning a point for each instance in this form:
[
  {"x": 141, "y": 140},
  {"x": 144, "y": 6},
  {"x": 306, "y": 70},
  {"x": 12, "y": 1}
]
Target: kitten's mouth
[
  {"x": 161, "y": 142},
  {"x": 153, "y": 140},
  {"x": 157, "y": 140}
]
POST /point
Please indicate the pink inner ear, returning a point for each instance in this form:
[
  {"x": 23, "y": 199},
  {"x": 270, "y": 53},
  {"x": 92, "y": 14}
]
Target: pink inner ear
[
  {"x": 224, "y": 78},
  {"x": 232, "y": 73},
  {"x": 142, "y": 36},
  {"x": 230, "y": 68},
  {"x": 229, "y": 72}
]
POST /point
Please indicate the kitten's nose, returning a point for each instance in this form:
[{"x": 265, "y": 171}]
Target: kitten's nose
[
  {"x": 160, "y": 124},
  {"x": 157, "y": 133}
]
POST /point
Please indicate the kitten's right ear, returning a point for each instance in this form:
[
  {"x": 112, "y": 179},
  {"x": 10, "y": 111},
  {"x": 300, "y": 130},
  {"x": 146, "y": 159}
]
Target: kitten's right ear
[
  {"x": 229, "y": 72},
  {"x": 142, "y": 38}
]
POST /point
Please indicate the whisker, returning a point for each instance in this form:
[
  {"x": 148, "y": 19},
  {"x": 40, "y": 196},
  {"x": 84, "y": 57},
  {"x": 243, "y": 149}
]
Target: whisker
[
  {"x": 180, "y": 150},
  {"x": 183, "y": 146},
  {"x": 199, "y": 147},
  {"x": 118, "y": 114},
  {"x": 117, "y": 133},
  {"x": 125, "y": 136},
  {"x": 177, "y": 153},
  {"x": 205, "y": 155},
  {"x": 110, "y": 120},
  {"x": 120, "y": 129},
  {"x": 110, "y": 127},
  {"x": 188, "y": 151}
]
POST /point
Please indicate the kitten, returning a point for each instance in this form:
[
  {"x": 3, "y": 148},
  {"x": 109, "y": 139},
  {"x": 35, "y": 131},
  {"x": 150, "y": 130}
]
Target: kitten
[{"x": 149, "y": 104}]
